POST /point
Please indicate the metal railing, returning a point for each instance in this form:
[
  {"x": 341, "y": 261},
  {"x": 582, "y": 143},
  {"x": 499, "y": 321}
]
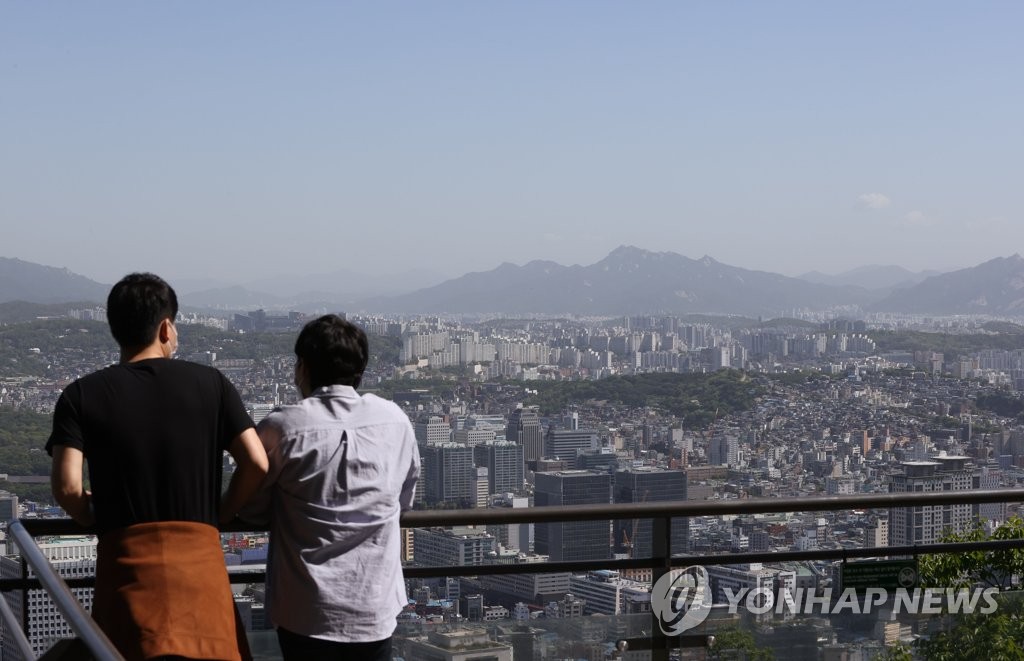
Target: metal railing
[
  {"x": 661, "y": 515},
  {"x": 14, "y": 627},
  {"x": 77, "y": 618}
]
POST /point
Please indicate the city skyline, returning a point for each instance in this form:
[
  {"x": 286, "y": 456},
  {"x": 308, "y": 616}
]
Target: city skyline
[{"x": 233, "y": 145}]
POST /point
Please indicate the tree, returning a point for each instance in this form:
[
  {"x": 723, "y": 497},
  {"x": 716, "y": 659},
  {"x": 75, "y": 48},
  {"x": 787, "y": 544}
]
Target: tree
[
  {"x": 736, "y": 644},
  {"x": 976, "y": 568},
  {"x": 897, "y": 652},
  {"x": 996, "y": 636}
]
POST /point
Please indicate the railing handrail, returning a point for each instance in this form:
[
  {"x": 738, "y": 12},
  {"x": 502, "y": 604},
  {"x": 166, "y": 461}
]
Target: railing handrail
[
  {"x": 24, "y": 532},
  {"x": 80, "y": 621},
  {"x": 684, "y": 508}
]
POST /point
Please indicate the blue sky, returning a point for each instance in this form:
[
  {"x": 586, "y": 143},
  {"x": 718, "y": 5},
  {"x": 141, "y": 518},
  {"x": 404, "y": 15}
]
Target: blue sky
[{"x": 239, "y": 140}]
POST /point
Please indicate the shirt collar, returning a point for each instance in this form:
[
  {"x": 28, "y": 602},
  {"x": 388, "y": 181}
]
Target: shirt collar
[{"x": 336, "y": 390}]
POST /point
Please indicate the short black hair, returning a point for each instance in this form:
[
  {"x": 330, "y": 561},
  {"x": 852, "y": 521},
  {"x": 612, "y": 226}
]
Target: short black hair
[
  {"x": 135, "y": 307},
  {"x": 334, "y": 351}
]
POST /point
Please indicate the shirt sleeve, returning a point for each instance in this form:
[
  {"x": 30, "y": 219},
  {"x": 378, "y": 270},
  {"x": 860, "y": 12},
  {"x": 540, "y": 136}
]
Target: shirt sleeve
[
  {"x": 67, "y": 427},
  {"x": 234, "y": 418},
  {"x": 408, "y": 495}
]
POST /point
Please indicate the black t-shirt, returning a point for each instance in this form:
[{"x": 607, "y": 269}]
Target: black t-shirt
[{"x": 154, "y": 434}]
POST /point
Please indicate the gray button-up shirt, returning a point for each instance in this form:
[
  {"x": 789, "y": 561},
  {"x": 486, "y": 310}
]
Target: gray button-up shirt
[{"x": 342, "y": 468}]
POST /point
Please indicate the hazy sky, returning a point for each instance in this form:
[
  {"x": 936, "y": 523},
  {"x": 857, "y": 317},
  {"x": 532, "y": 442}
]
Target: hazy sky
[{"x": 235, "y": 140}]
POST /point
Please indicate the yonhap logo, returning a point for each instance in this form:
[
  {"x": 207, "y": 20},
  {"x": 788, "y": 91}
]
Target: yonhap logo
[{"x": 681, "y": 599}]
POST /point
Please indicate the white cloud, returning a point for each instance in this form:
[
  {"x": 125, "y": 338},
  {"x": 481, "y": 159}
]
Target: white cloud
[{"x": 873, "y": 201}]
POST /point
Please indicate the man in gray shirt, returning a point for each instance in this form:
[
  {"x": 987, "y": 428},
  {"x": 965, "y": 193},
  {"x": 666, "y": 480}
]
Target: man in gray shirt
[{"x": 343, "y": 466}]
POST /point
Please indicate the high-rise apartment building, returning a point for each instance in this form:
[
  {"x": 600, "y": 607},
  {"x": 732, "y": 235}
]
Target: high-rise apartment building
[
  {"x": 988, "y": 477},
  {"x": 573, "y": 540},
  {"x": 524, "y": 429},
  {"x": 925, "y": 524}
]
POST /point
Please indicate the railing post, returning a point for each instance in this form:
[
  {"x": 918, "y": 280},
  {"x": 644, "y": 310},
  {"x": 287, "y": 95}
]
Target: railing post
[{"x": 661, "y": 552}]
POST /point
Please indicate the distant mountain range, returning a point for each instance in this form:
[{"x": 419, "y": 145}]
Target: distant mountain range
[
  {"x": 629, "y": 280},
  {"x": 35, "y": 283},
  {"x": 635, "y": 281},
  {"x": 874, "y": 277},
  {"x": 995, "y": 287}
]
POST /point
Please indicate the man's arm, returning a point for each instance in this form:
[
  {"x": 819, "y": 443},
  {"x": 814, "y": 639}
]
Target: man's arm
[
  {"x": 257, "y": 509},
  {"x": 250, "y": 468},
  {"x": 67, "y": 486}
]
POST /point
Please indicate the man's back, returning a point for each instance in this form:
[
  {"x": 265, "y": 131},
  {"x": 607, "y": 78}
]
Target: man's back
[
  {"x": 154, "y": 433},
  {"x": 342, "y": 466}
]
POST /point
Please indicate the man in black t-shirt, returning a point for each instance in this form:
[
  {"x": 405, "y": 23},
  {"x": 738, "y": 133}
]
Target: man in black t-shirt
[{"x": 154, "y": 432}]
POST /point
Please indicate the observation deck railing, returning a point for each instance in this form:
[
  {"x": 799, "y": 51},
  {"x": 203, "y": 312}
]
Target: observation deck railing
[{"x": 660, "y": 562}]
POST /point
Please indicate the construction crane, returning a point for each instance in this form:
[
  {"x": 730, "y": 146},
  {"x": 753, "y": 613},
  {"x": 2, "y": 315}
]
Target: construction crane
[{"x": 629, "y": 541}]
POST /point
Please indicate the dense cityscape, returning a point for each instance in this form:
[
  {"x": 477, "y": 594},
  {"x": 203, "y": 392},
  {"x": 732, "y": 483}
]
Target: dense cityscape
[{"x": 516, "y": 413}]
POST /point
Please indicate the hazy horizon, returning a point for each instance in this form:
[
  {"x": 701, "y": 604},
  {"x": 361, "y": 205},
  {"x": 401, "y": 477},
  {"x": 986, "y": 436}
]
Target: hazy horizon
[
  {"x": 190, "y": 283},
  {"x": 234, "y": 142}
]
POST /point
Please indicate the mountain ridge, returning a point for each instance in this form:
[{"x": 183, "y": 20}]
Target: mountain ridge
[{"x": 628, "y": 280}]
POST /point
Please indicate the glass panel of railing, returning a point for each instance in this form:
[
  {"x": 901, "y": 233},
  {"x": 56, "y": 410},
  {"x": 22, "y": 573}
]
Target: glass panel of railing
[{"x": 263, "y": 645}]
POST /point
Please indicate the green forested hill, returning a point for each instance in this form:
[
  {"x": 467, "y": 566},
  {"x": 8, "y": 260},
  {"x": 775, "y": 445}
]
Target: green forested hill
[
  {"x": 694, "y": 397},
  {"x": 23, "y": 436},
  {"x": 949, "y": 345}
]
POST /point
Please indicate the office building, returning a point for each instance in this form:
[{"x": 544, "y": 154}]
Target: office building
[
  {"x": 524, "y": 429},
  {"x": 604, "y": 592},
  {"x": 8, "y": 506},
  {"x": 462, "y": 645},
  {"x": 481, "y": 487},
  {"x": 724, "y": 450},
  {"x": 473, "y": 436},
  {"x": 504, "y": 463},
  {"x": 452, "y": 547},
  {"x": 513, "y": 536},
  {"x": 71, "y": 558},
  {"x": 448, "y": 473},
  {"x": 432, "y": 429},
  {"x": 573, "y": 540},
  {"x": 649, "y": 485},
  {"x": 567, "y": 443},
  {"x": 531, "y": 588}
]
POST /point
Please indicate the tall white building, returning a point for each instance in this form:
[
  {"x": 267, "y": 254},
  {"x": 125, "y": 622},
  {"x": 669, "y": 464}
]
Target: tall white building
[{"x": 71, "y": 558}]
